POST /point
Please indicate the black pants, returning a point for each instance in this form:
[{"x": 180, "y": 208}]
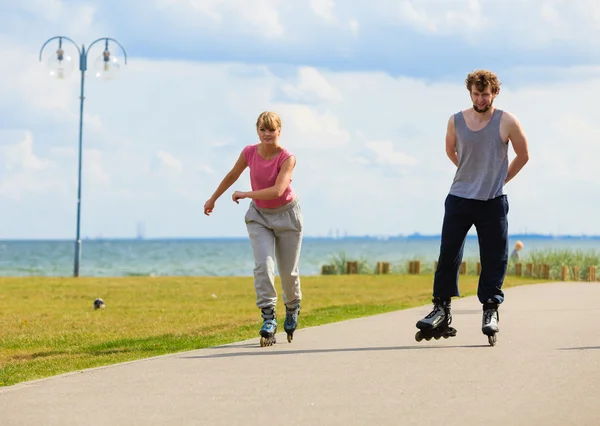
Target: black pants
[{"x": 491, "y": 223}]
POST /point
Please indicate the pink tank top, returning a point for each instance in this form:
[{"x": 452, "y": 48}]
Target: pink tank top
[{"x": 263, "y": 174}]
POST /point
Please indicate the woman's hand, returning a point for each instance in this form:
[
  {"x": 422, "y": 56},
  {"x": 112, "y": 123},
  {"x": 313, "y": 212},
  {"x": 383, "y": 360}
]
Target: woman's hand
[
  {"x": 209, "y": 206},
  {"x": 238, "y": 195}
]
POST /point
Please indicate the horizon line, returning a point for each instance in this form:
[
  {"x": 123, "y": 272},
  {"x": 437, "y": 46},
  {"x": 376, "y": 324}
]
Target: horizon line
[{"x": 312, "y": 237}]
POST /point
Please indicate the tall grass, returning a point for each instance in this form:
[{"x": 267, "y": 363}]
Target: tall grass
[
  {"x": 339, "y": 261},
  {"x": 400, "y": 267},
  {"x": 556, "y": 258},
  {"x": 428, "y": 267}
]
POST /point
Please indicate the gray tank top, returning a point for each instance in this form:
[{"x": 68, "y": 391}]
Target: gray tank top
[{"x": 482, "y": 160}]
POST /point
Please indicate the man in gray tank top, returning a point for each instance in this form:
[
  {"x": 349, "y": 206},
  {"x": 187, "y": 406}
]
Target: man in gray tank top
[{"x": 477, "y": 143}]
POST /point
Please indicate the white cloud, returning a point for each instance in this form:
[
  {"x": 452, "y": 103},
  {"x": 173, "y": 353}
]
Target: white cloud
[
  {"x": 549, "y": 14},
  {"x": 20, "y": 156},
  {"x": 83, "y": 19},
  {"x": 167, "y": 164},
  {"x": 419, "y": 19},
  {"x": 354, "y": 26},
  {"x": 328, "y": 34},
  {"x": 167, "y": 131},
  {"x": 31, "y": 82},
  {"x": 262, "y": 16},
  {"x": 94, "y": 168},
  {"x": 220, "y": 144},
  {"x": 75, "y": 18},
  {"x": 209, "y": 7},
  {"x": 463, "y": 17},
  {"x": 307, "y": 128},
  {"x": 18, "y": 185},
  {"x": 22, "y": 171},
  {"x": 63, "y": 151},
  {"x": 49, "y": 9},
  {"x": 206, "y": 169},
  {"x": 92, "y": 121},
  {"x": 312, "y": 87},
  {"x": 386, "y": 154},
  {"x": 324, "y": 9}
]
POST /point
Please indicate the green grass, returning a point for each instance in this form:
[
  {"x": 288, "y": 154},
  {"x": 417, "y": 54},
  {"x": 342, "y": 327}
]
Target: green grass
[{"x": 48, "y": 325}]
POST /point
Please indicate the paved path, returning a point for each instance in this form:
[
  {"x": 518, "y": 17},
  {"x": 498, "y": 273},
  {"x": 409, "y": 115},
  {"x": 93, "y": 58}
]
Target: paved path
[{"x": 544, "y": 370}]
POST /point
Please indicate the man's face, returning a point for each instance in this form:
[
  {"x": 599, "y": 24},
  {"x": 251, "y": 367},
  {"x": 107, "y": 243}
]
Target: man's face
[{"x": 482, "y": 99}]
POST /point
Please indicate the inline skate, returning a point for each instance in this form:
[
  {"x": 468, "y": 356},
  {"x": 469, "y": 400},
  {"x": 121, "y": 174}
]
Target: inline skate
[
  {"x": 490, "y": 321},
  {"x": 291, "y": 321},
  {"x": 437, "y": 323},
  {"x": 269, "y": 327}
]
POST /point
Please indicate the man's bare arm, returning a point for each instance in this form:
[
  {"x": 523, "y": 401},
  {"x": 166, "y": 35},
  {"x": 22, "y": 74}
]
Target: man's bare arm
[
  {"x": 451, "y": 142},
  {"x": 519, "y": 142}
]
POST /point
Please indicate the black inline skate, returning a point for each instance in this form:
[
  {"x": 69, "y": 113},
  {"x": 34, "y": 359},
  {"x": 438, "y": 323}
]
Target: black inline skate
[
  {"x": 490, "y": 321},
  {"x": 437, "y": 323}
]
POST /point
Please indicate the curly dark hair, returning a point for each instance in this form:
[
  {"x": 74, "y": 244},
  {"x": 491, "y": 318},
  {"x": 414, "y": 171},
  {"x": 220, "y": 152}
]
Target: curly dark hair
[{"x": 482, "y": 79}]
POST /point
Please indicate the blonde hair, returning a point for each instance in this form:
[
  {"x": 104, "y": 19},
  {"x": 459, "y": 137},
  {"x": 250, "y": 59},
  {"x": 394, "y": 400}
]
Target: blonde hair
[{"x": 269, "y": 120}]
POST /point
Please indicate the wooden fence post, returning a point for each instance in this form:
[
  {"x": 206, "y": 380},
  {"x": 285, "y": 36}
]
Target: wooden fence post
[
  {"x": 564, "y": 273},
  {"x": 518, "y": 269},
  {"x": 328, "y": 269},
  {"x": 591, "y": 273},
  {"x": 383, "y": 268},
  {"x": 414, "y": 267},
  {"x": 546, "y": 271}
]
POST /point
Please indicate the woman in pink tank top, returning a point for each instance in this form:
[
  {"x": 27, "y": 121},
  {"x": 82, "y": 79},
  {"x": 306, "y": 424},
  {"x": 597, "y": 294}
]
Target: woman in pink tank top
[{"x": 274, "y": 222}]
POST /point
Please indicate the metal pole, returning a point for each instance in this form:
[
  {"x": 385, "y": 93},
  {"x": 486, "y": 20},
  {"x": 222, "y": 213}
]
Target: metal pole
[{"x": 82, "y": 68}]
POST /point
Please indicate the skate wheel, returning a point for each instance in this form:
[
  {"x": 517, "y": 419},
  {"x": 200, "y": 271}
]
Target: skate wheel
[
  {"x": 290, "y": 338},
  {"x": 492, "y": 340},
  {"x": 267, "y": 341},
  {"x": 446, "y": 336},
  {"x": 428, "y": 338},
  {"x": 436, "y": 337},
  {"x": 419, "y": 336}
]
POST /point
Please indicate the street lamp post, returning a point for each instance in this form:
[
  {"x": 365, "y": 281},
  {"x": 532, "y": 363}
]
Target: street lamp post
[{"x": 106, "y": 67}]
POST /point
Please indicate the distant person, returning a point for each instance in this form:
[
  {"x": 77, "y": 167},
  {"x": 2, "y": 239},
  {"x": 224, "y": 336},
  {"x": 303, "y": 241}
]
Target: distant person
[
  {"x": 514, "y": 256},
  {"x": 477, "y": 141},
  {"x": 274, "y": 222}
]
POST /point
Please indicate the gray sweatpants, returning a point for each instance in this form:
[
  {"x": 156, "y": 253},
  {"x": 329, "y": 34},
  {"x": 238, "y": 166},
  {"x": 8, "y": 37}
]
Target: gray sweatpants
[{"x": 276, "y": 233}]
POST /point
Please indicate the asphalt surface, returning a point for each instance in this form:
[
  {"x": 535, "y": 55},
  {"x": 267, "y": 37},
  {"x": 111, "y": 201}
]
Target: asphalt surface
[{"x": 544, "y": 370}]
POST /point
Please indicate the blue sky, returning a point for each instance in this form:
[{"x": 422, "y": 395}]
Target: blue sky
[{"x": 364, "y": 91}]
